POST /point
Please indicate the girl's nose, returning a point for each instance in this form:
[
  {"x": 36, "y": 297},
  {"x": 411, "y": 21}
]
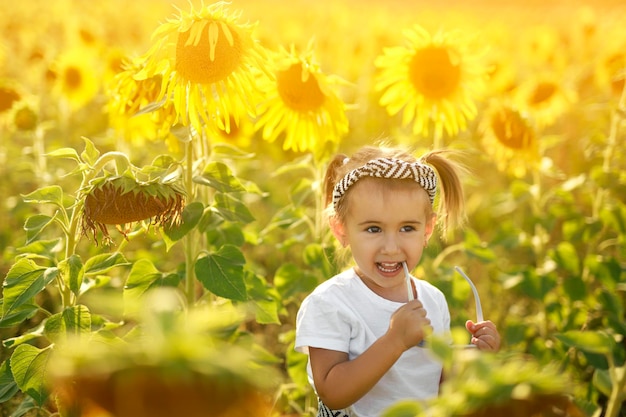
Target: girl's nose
[{"x": 391, "y": 244}]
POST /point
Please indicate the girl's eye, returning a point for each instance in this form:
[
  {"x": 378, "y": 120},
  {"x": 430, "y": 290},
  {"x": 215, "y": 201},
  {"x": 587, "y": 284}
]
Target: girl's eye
[
  {"x": 373, "y": 229},
  {"x": 407, "y": 229}
]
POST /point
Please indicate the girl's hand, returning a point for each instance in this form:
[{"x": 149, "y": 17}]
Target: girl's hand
[
  {"x": 409, "y": 325},
  {"x": 484, "y": 335}
]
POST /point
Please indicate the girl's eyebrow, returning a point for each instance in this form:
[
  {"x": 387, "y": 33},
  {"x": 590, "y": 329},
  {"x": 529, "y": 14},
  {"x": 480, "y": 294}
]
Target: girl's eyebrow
[
  {"x": 377, "y": 222},
  {"x": 368, "y": 222}
]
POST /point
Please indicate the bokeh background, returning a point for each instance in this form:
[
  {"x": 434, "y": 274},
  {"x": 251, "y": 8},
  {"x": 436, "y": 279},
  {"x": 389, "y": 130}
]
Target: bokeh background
[{"x": 543, "y": 140}]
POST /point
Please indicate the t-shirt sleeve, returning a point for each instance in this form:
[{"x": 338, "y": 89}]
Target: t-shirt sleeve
[{"x": 321, "y": 324}]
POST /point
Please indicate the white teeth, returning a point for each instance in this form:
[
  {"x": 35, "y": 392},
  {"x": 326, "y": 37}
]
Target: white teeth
[{"x": 388, "y": 267}]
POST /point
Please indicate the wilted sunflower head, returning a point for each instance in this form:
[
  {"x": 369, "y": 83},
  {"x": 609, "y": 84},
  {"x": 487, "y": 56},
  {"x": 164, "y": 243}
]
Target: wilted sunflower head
[
  {"x": 432, "y": 79},
  {"x": 208, "y": 62},
  {"x": 301, "y": 104},
  {"x": 123, "y": 200}
]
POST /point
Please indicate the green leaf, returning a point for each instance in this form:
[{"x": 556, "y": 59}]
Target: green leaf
[
  {"x": 18, "y": 315},
  {"x": 232, "y": 209},
  {"x": 265, "y": 299},
  {"x": 52, "y": 194},
  {"x": 69, "y": 153},
  {"x": 225, "y": 233},
  {"x": 222, "y": 273},
  {"x": 266, "y": 311},
  {"x": 230, "y": 151},
  {"x": 144, "y": 276},
  {"x": 27, "y": 405},
  {"x": 103, "y": 263},
  {"x": 73, "y": 321},
  {"x": 575, "y": 287},
  {"x": 8, "y": 387},
  {"x": 35, "y": 224},
  {"x": 567, "y": 258},
  {"x": 406, "y": 408},
  {"x": 297, "y": 168},
  {"x": 615, "y": 216},
  {"x": 290, "y": 280},
  {"x": 476, "y": 248},
  {"x": 217, "y": 175},
  {"x": 591, "y": 342},
  {"x": 302, "y": 192},
  {"x": 24, "y": 280},
  {"x": 296, "y": 363},
  {"x": 72, "y": 271},
  {"x": 90, "y": 154},
  {"x": 45, "y": 248},
  {"x": 190, "y": 217},
  {"x": 28, "y": 365},
  {"x": 32, "y": 334},
  {"x": 602, "y": 381},
  {"x": 536, "y": 286}
]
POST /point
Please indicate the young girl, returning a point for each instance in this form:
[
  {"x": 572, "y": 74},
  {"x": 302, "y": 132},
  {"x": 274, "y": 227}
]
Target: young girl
[{"x": 359, "y": 328}]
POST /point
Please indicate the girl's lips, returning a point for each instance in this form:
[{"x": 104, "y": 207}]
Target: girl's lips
[{"x": 389, "y": 267}]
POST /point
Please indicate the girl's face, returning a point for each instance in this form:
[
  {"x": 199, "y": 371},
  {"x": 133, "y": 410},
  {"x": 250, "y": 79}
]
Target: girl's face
[{"x": 385, "y": 226}]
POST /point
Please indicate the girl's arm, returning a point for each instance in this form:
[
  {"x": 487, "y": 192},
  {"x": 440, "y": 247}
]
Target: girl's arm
[{"x": 340, "y": 382}]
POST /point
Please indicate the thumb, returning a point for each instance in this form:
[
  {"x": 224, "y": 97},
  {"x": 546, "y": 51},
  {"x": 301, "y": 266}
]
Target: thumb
[{"x": 469, "y": 325}]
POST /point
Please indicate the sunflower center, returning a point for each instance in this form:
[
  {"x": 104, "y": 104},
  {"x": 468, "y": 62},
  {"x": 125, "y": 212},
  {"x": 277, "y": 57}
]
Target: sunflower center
[
  {"x": 542, "y": 92},
  {"x": 299, "y": 89},
  {"x": 73, "y": 78},
  {"x": 511, "y": 130},
  {"x": 208, "y": 52},
  {"x": 7, "y": 97},
  {"x": 435, "y": 72}
]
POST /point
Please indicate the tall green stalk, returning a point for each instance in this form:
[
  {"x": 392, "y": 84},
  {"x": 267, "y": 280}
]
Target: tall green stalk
[
  {"x": 618, "y": 374},
  {"x": 189, "y": 241},
  {"x": 71, "y": 231}
]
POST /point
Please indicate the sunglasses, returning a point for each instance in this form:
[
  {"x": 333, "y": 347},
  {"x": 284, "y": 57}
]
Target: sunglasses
[{"x": 479, "y": 309}]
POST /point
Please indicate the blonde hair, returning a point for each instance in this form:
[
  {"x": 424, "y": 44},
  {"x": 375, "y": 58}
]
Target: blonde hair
[{"x": 450, "y": 204}]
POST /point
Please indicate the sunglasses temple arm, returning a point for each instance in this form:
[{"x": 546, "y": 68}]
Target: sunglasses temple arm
[{"x": 479, "y": 309}]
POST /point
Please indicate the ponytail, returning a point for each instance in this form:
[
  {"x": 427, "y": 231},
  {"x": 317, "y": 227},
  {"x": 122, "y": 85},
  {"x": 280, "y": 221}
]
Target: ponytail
[{"x": 451, "y": 205}]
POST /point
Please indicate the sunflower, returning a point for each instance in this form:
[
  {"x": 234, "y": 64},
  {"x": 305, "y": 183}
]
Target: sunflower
[
  {"x": 74, "y": 78},
  {"x": 546, "y": 98},
  {"x": 434, "y": 78},
  {"x": 301, "y": 104},
  {"x": 25, "y": 114},
  {"x": 133, "y": 108},
  {"x": 10, "y": 93},
  {"x": 510, "y": 139},
  {"x": 208, "y": 65},
  {"x": 610, "y": 71},
  {"x": 123, "y": 200}
]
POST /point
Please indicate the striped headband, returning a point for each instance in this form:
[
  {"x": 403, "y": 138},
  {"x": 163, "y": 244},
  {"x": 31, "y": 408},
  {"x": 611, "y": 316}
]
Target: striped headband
[{"x": 423, "y": 174}]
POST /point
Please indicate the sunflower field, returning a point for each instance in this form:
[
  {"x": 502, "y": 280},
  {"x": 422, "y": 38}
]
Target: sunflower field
[{"x": 162, "y": 217}]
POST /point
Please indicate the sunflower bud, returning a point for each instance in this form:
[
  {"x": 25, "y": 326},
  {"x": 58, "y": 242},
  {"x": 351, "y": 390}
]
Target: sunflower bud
[
  {"x": 122, "y": 201},
  {"x": 25, "y": 118}
]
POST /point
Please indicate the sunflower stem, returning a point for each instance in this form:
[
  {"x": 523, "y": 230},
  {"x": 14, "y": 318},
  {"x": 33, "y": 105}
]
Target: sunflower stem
[
  {"x": 189, "y": 238},
  {"x": 72, "y": 234}
]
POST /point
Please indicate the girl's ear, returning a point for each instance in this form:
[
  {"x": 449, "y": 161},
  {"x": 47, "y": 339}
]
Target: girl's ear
[
  {"x": 338, "y": 231},
  {"x": 430, "y": 227}
]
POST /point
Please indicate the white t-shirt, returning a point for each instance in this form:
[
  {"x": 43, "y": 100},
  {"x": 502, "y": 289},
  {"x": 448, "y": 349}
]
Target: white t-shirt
[{"x": 343, "y": 314}]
